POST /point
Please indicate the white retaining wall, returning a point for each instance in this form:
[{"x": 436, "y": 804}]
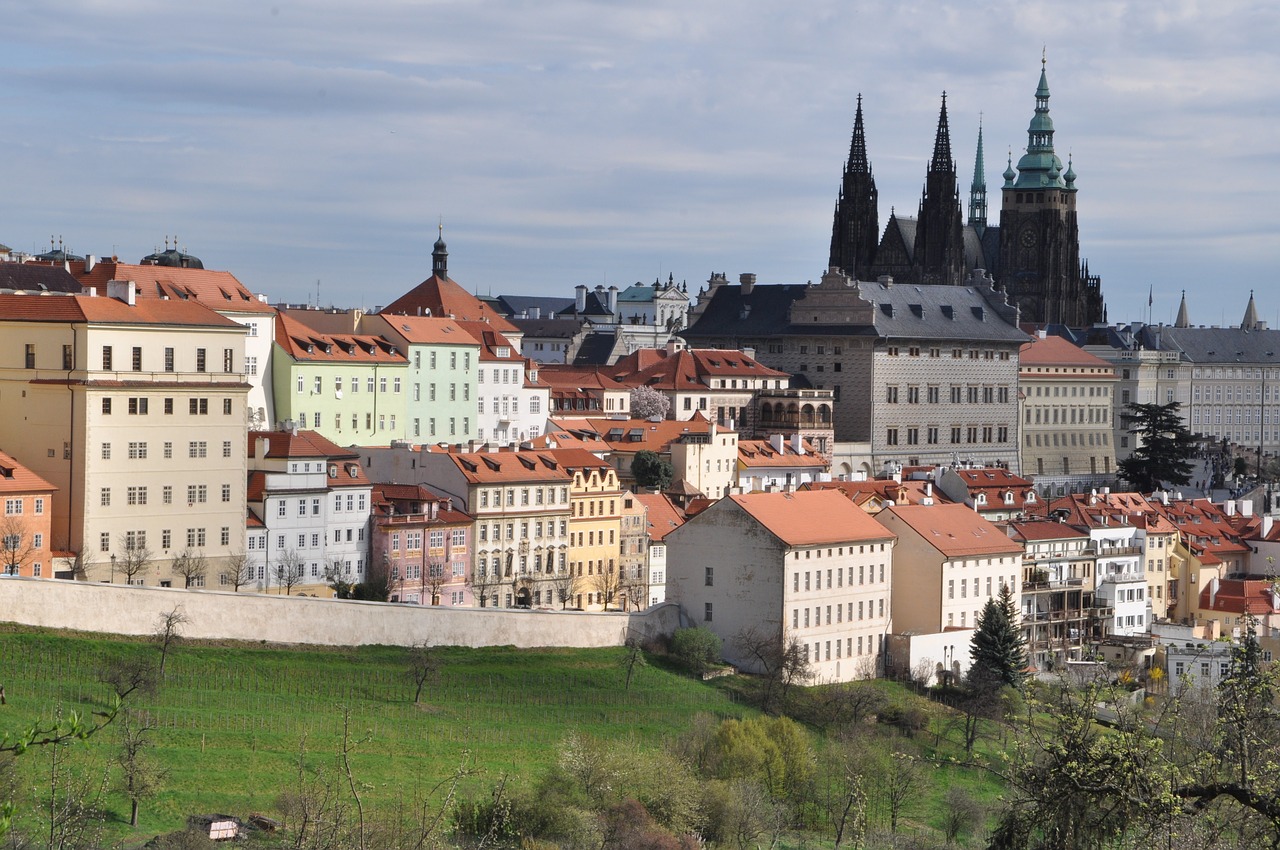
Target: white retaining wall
[{"x": 119, "y": 609}]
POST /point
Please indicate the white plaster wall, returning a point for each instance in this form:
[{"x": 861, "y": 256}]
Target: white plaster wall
[{"x": 116, "y": 609}]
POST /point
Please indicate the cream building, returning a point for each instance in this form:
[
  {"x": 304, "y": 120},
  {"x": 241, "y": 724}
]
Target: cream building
[
  {"x": 1067, "y": 401},
  {"x": 950, "y": 561},
  {"x": 134, "y": 408},
  {"x": 807, "y": 566}
]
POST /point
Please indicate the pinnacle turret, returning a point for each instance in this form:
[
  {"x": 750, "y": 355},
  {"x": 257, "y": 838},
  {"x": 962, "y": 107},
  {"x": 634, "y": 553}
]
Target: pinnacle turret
[
  {"x": 942, "y": 143},
  {"x": 978, "y": 189},
  {"x": 1250, "y": 320},
  {"x": 1184, "y": 319},
  {"x": 858, "y": 145}
]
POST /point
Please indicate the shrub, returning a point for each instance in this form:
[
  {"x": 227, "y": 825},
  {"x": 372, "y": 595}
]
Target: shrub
[{"x": 696, "y": 648}]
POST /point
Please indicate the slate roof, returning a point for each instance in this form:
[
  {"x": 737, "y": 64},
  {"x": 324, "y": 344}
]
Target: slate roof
[
  {"x": 596, "y": 349},
  {"x": 37, "y": 277},
  {"x": 514, "y": 305},
  {"x": 905, "y": 311},
  {"x": 1214, "y": 345},
  {"x": 548, "y": 327}
]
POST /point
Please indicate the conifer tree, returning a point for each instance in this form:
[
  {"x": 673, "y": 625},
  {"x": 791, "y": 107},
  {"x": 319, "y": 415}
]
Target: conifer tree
[{"x": 998, "y": 653}]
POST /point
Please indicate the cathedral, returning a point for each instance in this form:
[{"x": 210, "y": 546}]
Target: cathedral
[{"x": 1033, "y": 253}]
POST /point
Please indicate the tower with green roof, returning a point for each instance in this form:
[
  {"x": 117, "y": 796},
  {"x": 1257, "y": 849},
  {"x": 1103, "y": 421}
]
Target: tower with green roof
[{"x": 1040, "y": 266}]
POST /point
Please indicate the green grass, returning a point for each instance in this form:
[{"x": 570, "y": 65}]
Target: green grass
[{"x": 231, "y": 719}]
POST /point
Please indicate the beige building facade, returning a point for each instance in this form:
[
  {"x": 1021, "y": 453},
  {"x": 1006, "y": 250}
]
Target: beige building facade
[
  {"x": 1067, "y": 409},
  {"x": 135, "y": 410}
]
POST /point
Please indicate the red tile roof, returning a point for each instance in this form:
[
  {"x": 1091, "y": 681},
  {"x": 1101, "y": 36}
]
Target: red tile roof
[
  {"x": 446, "y": 299},
  {"x": 506, "y": 466},
  {"x": 687, "y": 369},
  {"x": 662, "y": 515},
  {"x": 909, "y": 492},
  {"x": 86, "y": 308},
  {"x": 955, "y": 530},
  {"x": 429, "y": 330},
  {"x": 304, "y": 444},
  {"x": 1236, "y": 596},
  {"x": 302, "y": 343},
  {"x": 634, "y": 435},
  {"x": 758, "y": 454},
  {"x": 16, "y": 479},
  {"x": 1056, "y": 351},
  {"x": 217, "y": 290},
  {"x": 811, "y": 518}
]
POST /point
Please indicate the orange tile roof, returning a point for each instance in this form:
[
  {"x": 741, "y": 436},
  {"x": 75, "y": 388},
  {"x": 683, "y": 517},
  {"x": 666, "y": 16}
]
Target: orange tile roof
[
  {"x": 1056, "y": 351},
  {"x": 1043, "y": 529},
  {"x": 302, "y": 343},
  {"x": 955, "y": 530},
  {"x": 429, "y": 330},
  {"x": 662, "y": 515},
  {"x": 634, "y": 435},
  {"x": 308, "y": 444},
  {"x": 811, "y": 518},
  {"x": 687, "y": 369},
  {"x": 910, "y": 492},
  {"x": 103, "y": 310},
  {"x": 445, "y": 298},
  {"x": 506, "y": 466},
  {"x": 490, "y": 339},
  {"x": 217, "y": 290},
  {"x": 757, "y": 454},
  {"x": 1236, "y": 596},
  {"x": 16, "y": 479}
]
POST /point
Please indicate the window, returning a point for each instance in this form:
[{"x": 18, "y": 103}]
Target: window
[
  {"x": 106, "y": 451},
  {"x": 136, "y": 360},
  {"x": 198, "y": 406},
  {"x": 167, "y": 493},
  {"x": 68, "y": 362},
  {"x": 200, "y": 360},
  {"x": 710, "y": 578},
  {"x": 39, "y": 507},
  {"x": 137, "y": 495},
  {"x": 31, "y": 356},
  {"x": 226, "y": 492},
  {"x": 706, "y": 612},
  {"x": 226, "y": 410},
  {"x": 106, "y": 358},
  {"x": 168, "y": 406},
  {"x": 197, "y": 494},
  {"x": 168, "y": 359},
  {"x": 228, "y": 360},
  {"x": 137, "y": 407},
  {"x": 198, "y": 449},
  {"x": 106, "y": 406},
  {"x": 137, "y": 451},
  {"x": 104, "y": 497}
]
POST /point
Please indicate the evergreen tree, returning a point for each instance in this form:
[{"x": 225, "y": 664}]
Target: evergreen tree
[
  {"x": 1163, "y": 455},
  {"x": 998, "y": 653},
  {"x": 651, "y": 471}
]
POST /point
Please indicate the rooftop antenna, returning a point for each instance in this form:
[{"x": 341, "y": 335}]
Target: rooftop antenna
[{"x": 317, "y": 292}]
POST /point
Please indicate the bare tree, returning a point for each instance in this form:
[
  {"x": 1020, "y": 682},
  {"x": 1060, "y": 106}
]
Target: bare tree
[
  {"x": 239, "y": 572},
  {"x": 901, "y": 782},
  {"x": 140, "y": 777},
  {"x": 606, "y": 584},
  {"x": 635, "y": 590},
  {"x": 169, "y": 632},
  {"x": 561, "y": 584},
  {"x": 434, "y": 578},
  {"x": 424, "y": 667},
  {"x": 483, "y": 581},
  {"x": 81, "y": 561},
  {"x": 290, "y": 570},
  {"x": 192, "y": 566},
  {"x": 137, "y": 558},
  {"x": 782, "y": 662},
  {"x": 16, "y": 544},
  {"x": 634, "y": 656}
]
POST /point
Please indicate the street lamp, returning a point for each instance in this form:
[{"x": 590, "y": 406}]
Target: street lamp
[{"x": 113, "y": 567}]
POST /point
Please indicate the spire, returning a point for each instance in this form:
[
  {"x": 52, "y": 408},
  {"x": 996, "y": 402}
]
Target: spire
[
  {"x": 1009, "y": 173},
  {"x": 1183, "y": 320},
  {"x": 1250, "y": 321},
  {"x": 942, "y": 143},
  {"x": 858, "y": 163},
  {"x": 978, "y": 189},
  {"x": 1039, "y": 168},
  {"x": 440, "y": 256}
]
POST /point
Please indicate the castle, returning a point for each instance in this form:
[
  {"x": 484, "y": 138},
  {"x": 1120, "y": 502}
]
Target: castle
[{"x": 1033, "y": 254}]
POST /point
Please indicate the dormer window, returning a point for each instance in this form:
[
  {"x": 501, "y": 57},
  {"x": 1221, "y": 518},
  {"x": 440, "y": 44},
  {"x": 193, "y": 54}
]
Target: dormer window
[{"x": 503, "y": 351}]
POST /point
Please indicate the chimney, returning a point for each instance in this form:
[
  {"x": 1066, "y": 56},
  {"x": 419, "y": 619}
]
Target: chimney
[
  {"x": 1246, "y": 507},
  {"x": 260, "y": 448},
  {"x": 1230, "y": 507},
  {"x": 613, "y": 300},
  {"x": 536, "y": 312},
  {"x": 580, "y": 298},
  {"x": 797, "y": 443},
  {"x": 776, "y": 440},
  {"x": 1266, "y": 525},
  {"x": 748, "y": 282},
  {"x": 123, "y": 290},
  {"x": 89, "y": 262}
]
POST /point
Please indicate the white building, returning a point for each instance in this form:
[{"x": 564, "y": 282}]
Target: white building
[{"x": 808, "y": 566}]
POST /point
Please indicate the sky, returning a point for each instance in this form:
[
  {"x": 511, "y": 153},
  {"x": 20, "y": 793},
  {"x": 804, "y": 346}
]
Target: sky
[{"x": 312, "y": 149}]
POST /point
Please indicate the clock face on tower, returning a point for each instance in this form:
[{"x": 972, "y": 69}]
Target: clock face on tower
[{"x": 1028, "y": 238}]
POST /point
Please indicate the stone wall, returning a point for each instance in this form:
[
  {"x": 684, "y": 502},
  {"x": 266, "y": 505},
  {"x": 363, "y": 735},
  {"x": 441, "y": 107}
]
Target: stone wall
[{"x": 118, "y": 609}]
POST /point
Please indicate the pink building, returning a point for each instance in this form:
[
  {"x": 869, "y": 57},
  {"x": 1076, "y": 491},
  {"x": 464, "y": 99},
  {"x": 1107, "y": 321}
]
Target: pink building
[{"x": 423, "y": 543}]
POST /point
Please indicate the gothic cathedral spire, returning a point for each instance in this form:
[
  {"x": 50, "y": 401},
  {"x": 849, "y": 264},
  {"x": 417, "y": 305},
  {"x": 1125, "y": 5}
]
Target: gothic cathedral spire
[
  {"x": 939, "y": 244},
  {"x": 978, "y": 189},
  {"x": 855, "y": 229}
]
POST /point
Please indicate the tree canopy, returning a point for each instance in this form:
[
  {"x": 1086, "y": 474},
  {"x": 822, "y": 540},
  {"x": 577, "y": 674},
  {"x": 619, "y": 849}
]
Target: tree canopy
[
  {"x": 651, "y": 471},
  {"x": 1165, "y": 446}
]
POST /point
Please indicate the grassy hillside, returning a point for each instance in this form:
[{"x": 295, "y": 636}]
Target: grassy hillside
[{"x": 232, "y": 718}]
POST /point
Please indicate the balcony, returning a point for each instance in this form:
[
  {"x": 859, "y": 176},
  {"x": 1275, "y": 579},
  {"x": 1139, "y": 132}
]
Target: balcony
[
  {"x": 1116, "y": 551},
  {"x": 1051, "y": 584}
]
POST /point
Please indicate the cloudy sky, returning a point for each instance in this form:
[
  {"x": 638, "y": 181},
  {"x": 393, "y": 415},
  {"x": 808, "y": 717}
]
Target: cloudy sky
[{"x": 316, "y": 145}]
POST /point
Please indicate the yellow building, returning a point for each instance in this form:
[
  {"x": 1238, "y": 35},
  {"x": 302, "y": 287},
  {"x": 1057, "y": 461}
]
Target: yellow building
[
  {"x": 595, "y": 529},
  {"x": 135, "y": 410}
]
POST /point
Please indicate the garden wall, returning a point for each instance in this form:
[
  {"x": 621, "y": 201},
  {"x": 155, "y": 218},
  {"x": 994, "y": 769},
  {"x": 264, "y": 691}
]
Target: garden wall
[{"x": 119, "y": 609}]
